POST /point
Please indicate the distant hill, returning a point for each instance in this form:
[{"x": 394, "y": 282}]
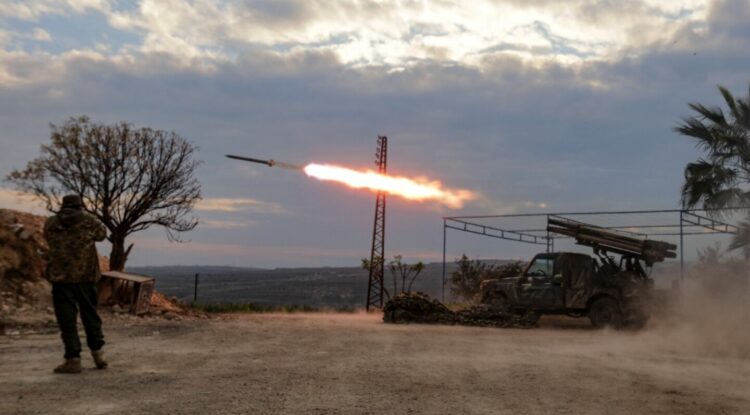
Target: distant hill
[
  {"x": 333, "y": 287},
  {"x": 320, "y": 287},
  {"x": 176, "y": 270}
]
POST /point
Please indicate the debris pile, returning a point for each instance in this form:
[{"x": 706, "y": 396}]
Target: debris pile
[
  {"x": 172, "y": 309},
  {"x": 420, "y": 308},
  {"x": 489, "y": 316},
  {"x": 160, "y": 303},
  {"x": 161, "y": 308}
]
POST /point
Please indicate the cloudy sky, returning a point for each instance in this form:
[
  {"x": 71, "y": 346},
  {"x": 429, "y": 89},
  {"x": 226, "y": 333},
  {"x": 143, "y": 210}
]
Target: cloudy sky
[{"x": 535, "y": 105}]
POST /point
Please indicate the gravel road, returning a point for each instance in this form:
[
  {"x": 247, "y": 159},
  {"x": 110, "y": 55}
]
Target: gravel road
[{"x": 355, "y": 364}]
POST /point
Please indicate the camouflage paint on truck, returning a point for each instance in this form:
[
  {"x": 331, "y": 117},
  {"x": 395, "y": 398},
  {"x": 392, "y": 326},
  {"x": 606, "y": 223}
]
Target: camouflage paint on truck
[{"x": 571, "y": 283}]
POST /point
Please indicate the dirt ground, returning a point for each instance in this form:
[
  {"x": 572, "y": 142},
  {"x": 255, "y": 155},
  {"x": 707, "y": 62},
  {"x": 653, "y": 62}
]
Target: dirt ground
[{"x": 355, "y": 364}]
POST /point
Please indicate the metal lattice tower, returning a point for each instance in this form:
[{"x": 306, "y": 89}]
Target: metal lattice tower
[{"x": 377, "y": 254}]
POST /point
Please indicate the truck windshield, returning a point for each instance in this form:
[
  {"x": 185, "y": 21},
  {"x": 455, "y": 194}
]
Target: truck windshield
[{"x": 541, "y": 267}]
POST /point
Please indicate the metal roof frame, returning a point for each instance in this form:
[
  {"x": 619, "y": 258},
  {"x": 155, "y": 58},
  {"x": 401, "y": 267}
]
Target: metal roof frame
[{"x": 688, "y": 223}]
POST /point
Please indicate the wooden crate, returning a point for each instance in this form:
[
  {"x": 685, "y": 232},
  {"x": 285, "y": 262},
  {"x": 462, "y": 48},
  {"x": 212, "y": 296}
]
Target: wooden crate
[{"x": 130, "y": 290}]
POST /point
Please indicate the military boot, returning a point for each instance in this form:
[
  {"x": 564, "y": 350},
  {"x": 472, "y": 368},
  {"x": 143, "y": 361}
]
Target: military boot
[
  {"x": 98, "y": 356},
  {"x": 72, "y": 365}
]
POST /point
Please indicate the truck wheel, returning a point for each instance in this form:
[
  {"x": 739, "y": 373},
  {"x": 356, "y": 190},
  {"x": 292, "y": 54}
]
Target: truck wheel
[{"x": 605, "y": 312}]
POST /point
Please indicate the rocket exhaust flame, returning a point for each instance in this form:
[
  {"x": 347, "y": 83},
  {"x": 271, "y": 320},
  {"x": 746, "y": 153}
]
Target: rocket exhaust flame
[
  {"x": 411, "y": 189},
  {"x": 419, "y": 190}
]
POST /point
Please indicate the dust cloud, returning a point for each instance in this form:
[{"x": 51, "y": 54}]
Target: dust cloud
[
  {"x": 708, "y": 316},
  {"x": 711, "y": 316}
]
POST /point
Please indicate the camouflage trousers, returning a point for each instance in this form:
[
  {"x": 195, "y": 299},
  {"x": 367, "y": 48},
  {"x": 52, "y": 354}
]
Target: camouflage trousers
[{"x": 68, "y": 300}]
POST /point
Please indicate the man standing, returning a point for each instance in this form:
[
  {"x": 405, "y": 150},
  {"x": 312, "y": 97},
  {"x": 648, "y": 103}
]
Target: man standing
[{"x": 73, "y": 270}]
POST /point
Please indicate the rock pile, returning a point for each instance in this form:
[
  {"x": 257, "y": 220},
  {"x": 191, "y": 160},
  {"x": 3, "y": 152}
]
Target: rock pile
[
  {"x": 420, "y": 308},
  {"x": 22, "y": 264}
]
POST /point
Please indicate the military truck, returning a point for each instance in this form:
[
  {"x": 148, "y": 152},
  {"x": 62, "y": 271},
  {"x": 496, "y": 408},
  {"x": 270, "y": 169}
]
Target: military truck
[{"x": 611, "y": 289}]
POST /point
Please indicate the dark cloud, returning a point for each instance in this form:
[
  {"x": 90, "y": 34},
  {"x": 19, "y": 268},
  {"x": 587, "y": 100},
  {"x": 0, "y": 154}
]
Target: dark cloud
[{"x": 730, "y": 17}]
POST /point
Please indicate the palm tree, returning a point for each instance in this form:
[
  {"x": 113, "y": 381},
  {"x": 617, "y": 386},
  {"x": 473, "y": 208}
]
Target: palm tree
[{"x": 721, "y": 179}]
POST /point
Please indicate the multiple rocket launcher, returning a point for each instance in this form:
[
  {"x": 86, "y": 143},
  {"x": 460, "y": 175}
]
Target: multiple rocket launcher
[{"x": 609, "y": 240}]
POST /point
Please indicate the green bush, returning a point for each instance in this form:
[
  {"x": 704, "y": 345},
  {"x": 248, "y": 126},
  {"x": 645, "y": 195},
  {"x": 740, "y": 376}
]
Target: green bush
[{"x": 466, "y": 281}]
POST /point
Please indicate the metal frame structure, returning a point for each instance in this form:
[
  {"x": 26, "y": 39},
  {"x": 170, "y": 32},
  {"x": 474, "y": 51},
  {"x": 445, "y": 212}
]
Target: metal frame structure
[
  {"x": 689, "y": 223},
  {"x": 377, "y": 253}
]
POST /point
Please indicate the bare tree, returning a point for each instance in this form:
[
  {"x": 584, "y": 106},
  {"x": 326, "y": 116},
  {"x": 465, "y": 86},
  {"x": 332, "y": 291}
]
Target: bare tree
[
  {"x": 129, "y": 178},
  {"x": 403, "y": 274}
]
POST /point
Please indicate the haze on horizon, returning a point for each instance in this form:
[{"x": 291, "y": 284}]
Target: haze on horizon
[{"x": 534, "y": 105}]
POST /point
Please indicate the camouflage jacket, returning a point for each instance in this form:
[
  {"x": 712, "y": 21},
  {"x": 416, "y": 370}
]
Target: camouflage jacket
[{"x": 72, "y": 253}]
